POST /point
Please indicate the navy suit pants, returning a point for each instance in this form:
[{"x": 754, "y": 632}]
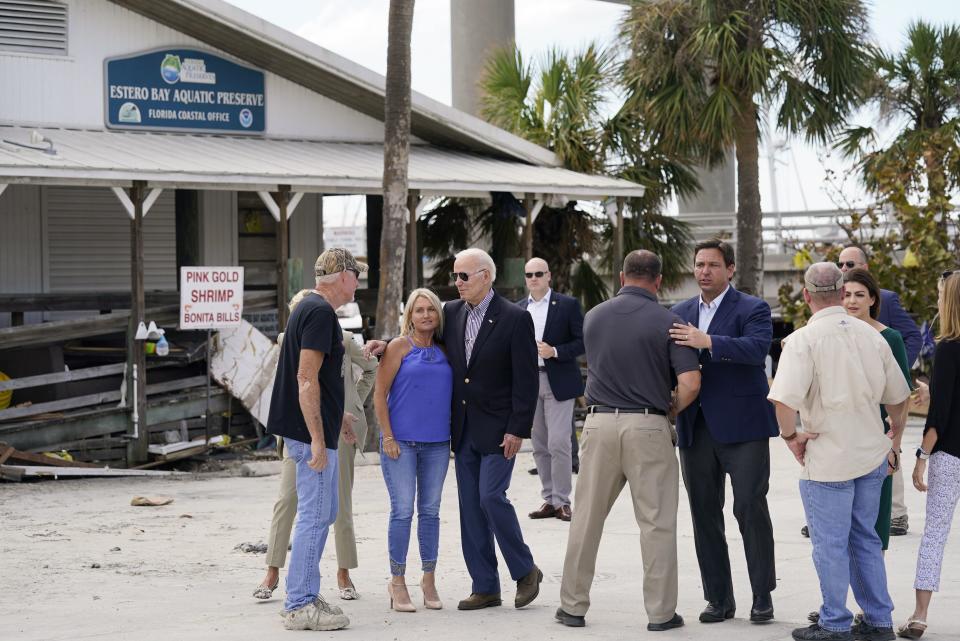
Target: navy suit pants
[
  {"x": 705, "y": 465},
  {"x": 485, "y": 515}
]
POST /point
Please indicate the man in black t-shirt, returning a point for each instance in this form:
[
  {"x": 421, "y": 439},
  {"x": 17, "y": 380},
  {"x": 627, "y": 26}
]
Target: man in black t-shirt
[{"x": 306, "y": 409}]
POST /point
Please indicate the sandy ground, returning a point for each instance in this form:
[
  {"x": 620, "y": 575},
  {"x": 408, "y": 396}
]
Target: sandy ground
[{"x": 78, "y": 562}]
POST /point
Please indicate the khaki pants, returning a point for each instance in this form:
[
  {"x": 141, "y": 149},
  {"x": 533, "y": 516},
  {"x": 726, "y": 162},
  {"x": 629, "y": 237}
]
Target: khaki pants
[
  {"x": 616, "y": 449},
  {"x": 899, "y": 506},
  {"x": 285, "y": 509}
]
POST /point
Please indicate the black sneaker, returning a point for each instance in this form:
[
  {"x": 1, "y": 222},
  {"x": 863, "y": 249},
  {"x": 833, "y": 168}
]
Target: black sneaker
[
  {"x": 863, "y": 631},
  {"x": 805, "y": 532},
  {"x": 816, "y": 633}
]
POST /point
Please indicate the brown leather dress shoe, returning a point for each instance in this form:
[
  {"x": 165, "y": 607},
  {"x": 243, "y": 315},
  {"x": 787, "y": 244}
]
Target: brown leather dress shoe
[
  {"x": 546, "y": 511},
  {"x": 564, "y": 513},
  {"x": 479, "y": 601},
  {"x": 528, "y": 588}
]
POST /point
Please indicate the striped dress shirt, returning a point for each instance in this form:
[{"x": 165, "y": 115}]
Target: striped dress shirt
[{"x": 474, "y": 320}]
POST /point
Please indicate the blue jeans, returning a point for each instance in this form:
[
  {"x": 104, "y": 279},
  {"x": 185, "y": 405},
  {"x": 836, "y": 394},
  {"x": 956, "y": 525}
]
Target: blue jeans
[
  {"x": 418, "y": 473},
  {"x": 316, "y": 512},
  {"x": 847, "y": 550}
]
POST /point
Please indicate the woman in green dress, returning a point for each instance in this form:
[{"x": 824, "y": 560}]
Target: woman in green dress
[{"x": 861, "y": 299}]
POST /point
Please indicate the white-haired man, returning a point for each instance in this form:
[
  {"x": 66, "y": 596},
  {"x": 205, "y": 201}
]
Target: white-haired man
[
  {"x": 837, "y": 371},
  {"x": 492, "y": 348},
  {"x": 306, "y": 409}
]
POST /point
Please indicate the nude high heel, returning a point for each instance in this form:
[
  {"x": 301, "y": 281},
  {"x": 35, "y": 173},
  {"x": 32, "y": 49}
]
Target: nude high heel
[
  {"x": 431, "y": 604},
  {"x": 395, "y": 603}
]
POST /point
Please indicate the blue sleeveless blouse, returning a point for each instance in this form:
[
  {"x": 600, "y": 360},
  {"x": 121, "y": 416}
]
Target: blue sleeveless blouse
[{"x": 419, "y": 399}]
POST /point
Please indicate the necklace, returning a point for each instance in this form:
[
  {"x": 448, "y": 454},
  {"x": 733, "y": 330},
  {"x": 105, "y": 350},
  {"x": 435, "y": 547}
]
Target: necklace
[{"x": 429, "y": 350}]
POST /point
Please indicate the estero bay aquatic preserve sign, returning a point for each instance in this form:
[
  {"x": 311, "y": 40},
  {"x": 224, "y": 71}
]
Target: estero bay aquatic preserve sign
[{"x": 184, "y": 90}]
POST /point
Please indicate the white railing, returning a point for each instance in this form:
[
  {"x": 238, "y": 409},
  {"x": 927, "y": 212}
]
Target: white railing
[{"x": 781, "y": 230}]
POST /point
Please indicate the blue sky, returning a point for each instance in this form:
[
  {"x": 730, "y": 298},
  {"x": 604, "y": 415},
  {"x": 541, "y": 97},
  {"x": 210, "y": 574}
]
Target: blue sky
[{"x": 358, "y": 30}]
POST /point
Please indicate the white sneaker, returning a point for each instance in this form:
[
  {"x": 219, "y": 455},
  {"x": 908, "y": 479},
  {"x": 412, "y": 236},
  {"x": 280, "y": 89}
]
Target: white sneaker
[
  {"x": 314, "y": 617},
  {"x": 323, "y": 605}
]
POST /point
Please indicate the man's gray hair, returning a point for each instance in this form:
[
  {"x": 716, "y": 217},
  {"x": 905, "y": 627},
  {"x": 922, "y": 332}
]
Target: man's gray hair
[
  {"x": 328, "y": 279},
  {"x": 824, "y": 282},
  {"x": 481, "y": 257}
]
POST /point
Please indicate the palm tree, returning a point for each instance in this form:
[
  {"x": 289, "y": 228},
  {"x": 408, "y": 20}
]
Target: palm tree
[
  {"x": 700, "y": 72},
  {"x": 917, "y": 94},
  {"x": 396, "y": 157},
  {"x": 562, "y": 102},
  {"x": 918, "y": 91}
]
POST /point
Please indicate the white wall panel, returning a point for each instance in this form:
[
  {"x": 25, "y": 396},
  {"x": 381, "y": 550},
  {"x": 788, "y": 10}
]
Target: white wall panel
[
  {"x": 21, "y": 254},
  {"x": 88, "y": 241},
  {"x": 56, "y": 90}
]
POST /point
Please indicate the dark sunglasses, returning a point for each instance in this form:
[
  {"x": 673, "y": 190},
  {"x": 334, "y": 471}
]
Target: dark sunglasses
[
  {"x": 534, "y": 274},
  {"x": 464, "y": 276},
  {"x": 848, "y": 263},
  {"x": 947, "y": 274}
]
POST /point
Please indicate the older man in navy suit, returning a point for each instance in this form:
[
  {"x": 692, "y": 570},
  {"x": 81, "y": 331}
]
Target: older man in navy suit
[
  {"x": 491, "y": 348},
  {"x": 727, "y": 431},
  {"x": 558, "y": 329}
]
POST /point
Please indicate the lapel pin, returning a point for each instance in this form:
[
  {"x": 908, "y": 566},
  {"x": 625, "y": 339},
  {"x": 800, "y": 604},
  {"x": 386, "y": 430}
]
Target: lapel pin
[{"x": 490, "y": 320}]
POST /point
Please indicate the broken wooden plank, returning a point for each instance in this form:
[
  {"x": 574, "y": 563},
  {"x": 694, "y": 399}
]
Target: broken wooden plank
[
  {"x": 13, "y": 454},
  {"x": 97, "y": 399},
  {"x": 58, "y": 472},
  {"x": 62, "y": 377},
  {"x": 93, "y": 422},
  {"x": 114, "y": 322}
]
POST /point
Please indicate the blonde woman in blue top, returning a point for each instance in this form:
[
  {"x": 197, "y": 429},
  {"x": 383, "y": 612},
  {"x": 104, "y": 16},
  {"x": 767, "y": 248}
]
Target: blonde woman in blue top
[{"x": 412, "y": 400}]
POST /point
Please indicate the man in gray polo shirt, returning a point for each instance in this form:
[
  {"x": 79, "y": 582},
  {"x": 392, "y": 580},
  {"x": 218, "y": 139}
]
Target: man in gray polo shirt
[{"x": 627, "y": 438}]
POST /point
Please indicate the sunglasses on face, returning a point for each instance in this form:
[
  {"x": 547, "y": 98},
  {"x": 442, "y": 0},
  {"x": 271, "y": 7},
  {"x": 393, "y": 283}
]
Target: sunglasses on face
[
  {"x": 534, "y": 274},
  {"x": 464, "y": 276},
  {"x": 849, "y": 264}
]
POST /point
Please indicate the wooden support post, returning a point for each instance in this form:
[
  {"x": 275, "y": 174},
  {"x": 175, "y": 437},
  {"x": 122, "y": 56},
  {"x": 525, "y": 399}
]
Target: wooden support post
[
  {"x": 528, "y": 204},
  {"x": 413, "y": 254},
  {"x": 136, "y": 357},
  {"x": 283, "y": 254}
]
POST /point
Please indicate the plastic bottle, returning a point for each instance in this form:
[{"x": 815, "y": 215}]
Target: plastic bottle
[{"x": 163, "y": 348}]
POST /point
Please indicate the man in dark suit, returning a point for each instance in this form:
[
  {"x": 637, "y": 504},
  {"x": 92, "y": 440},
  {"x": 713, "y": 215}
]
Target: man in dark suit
[
  {"x": 727, "y": 431},
  {"x": 491, "y": 347},
  {"x": 892, "y": 314},
  {"x": 558, "y": 329}
]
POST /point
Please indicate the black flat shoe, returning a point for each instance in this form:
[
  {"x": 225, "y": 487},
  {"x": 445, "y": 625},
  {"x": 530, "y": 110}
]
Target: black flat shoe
[
  {"x": 675, "y": 622},
  {"x": 571, "y": 620},
  {"x": 717, "y": 612},
  {"x": 762, "y": 610}
]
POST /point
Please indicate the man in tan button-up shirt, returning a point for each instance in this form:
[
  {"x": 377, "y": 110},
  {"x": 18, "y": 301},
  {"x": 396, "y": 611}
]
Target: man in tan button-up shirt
[{"x": 837, "y": 371}]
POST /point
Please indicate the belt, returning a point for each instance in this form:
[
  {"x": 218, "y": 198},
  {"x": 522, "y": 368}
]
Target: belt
[
  {"x": 541, "y": 369},
  {"x": 603, "y": 409}
]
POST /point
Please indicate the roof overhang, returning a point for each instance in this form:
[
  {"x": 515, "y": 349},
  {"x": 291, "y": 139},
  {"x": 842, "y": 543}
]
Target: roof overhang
[
  {"x": 114, "y": 159},
  {"x": 281, "y": 52}
]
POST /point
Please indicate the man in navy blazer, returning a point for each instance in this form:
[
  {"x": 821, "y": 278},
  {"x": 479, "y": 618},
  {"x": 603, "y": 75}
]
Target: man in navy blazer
[
  {"x": 491, "y": 348},
  {"x": 727, "y": 431},
  {"x": 558, "y": 329},
  {"x": 892, "y": 314}
]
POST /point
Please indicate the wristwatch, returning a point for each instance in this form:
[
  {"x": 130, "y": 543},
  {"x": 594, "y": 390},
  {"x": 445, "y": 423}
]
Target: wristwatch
[{"x": 922, "y": 455}]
